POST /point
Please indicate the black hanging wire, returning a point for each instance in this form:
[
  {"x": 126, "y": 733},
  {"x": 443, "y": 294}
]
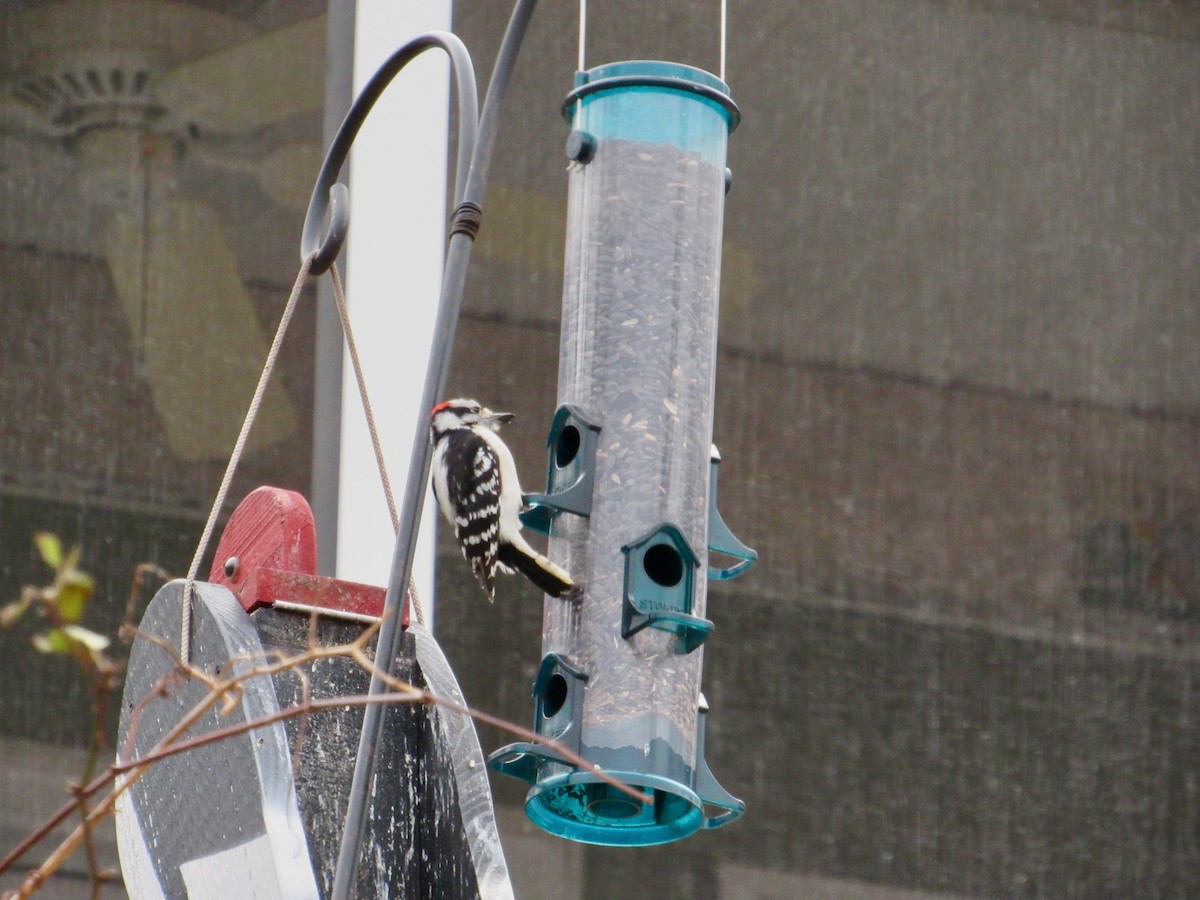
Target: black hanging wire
[{"x": 476, "y": 139}]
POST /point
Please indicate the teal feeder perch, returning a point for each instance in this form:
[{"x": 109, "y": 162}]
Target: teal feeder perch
[
  {"x": 630, "y": 495},
  {"x": 572, "y": 451},
  {"x": 720, "y": 538},
  {"x": 660, "y": 582}
]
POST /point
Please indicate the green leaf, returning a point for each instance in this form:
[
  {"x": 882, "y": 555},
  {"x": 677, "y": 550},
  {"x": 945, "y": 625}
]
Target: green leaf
[
  {"x": 50, "y": 547},
  {"x": 52, "y": 642},
  {"x": 88, "y": 638},
  {"x": 73, "y": 595}
]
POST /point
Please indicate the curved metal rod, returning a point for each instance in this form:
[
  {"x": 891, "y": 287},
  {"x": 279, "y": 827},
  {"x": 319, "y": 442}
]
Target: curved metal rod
[
  {"x": 470, "y": 179},
  {"x": 330, "y": 200}
]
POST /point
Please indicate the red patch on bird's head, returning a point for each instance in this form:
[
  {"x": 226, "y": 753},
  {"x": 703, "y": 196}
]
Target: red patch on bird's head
[{"x": 445, "y": 404}]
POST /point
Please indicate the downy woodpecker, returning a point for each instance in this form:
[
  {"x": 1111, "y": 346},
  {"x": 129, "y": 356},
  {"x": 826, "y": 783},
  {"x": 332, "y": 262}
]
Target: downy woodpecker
[{"x": 476, "y": 486}]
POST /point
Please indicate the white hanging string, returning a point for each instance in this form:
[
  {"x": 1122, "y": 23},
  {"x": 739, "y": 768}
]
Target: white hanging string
[
  {"x": 185, "y": 629},
  {"x": 582, "y": 30},
  {"x": 724, "y": 27},
  {"x": 185, "y": 642},
  {"x": 724, "y": 35},
  {"x": 339, "y": 294}
]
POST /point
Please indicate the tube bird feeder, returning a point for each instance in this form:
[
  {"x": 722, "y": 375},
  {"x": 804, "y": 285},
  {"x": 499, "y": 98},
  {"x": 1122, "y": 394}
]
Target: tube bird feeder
[{"x": 630, "y": 493}]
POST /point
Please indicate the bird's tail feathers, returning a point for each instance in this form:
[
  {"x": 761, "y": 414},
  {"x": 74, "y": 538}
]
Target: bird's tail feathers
[
  {"x": 546, "y": 575},
  {"x": 485, "y": 578}
]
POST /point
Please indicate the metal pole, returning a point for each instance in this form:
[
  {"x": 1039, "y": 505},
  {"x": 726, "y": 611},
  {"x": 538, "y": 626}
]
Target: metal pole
[
  {"x": 330, "y": 200},
  {"x": 458, "y": 255},
  {"x": 327, "y": 393}
]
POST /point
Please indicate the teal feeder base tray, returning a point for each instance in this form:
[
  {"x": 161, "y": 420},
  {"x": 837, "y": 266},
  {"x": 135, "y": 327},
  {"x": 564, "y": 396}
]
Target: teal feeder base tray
[{"x": 582, "y": 807}]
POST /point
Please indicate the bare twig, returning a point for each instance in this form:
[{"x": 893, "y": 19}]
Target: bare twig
[
  {"x": 127, "y": 771},
  {"x": 127, "y": 629},
  {"x": 62, "y": 604}
]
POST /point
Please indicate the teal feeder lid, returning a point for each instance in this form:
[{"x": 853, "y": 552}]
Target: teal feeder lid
[{"x": 654, "y": 102}]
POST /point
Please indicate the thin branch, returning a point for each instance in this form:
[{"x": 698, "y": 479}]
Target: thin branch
[
  {"x": 127, "y": 629},
  {"x": 217, "y": 688},
  {"x": 126, "y": 771},
  {"x": 221, "y": 734},
  {"x": 161, "y": 689}
]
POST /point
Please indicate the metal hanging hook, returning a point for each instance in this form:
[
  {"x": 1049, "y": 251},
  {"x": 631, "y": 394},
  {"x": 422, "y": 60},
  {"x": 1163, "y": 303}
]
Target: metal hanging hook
[
  {"x": 325, "y": 243},
  {"x": 476, "y": 139},
  {"x": 330, "y": 199}
]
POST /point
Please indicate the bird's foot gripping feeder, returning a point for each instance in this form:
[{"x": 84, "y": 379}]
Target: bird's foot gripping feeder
[{"x": 630, "y": 502}]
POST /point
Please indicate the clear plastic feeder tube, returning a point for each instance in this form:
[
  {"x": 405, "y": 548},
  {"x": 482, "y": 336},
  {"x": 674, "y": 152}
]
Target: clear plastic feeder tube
[{"x": 638, "y": 354}]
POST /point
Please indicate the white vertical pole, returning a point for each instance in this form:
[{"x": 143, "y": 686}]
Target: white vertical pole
[{"x": 393, "y": 279}]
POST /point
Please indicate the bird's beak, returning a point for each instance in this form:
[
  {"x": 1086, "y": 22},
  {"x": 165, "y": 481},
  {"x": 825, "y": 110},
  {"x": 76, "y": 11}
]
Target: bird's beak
[{"x": 499, "y": 418}]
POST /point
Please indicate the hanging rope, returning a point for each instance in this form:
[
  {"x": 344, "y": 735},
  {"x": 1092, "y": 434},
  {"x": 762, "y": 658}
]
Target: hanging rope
[
  {"x": 339, "y": 295},
  {"x": 185, "y": 633}
]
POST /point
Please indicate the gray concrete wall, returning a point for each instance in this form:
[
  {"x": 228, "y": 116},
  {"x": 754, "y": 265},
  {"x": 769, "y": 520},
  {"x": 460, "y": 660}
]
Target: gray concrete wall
[
  {"x": 959, "y": 406},
  {"x": 957, "y": 401}
]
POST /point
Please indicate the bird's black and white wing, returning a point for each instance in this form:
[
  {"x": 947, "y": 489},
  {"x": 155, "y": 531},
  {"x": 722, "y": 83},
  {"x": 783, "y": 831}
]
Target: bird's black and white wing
[
  {"x": 467, "y": 488},
  {"x": 476, "y": 485}
]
